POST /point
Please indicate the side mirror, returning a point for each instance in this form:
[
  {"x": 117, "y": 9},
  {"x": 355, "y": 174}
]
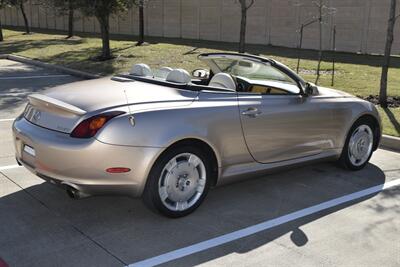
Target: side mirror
[
  {"x": 200, "y": 73},
  {"x": 311, "y": 89}
]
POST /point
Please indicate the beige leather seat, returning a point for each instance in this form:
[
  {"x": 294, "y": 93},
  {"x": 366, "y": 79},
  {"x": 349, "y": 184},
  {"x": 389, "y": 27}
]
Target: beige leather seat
[
  {"x": 141, "y": 70},
  {"x": 179, "y": 76},
  {"x": 223, "y": 80}
]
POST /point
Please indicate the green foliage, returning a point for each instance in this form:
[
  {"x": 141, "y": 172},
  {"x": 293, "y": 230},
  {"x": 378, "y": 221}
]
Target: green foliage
[
  {"x": 140, "y": 3},
  {"x": 3, "y": 3},
  {"x": 62, "y": 6},
  {"x": 102, "y": 8},
  {"x": 16, "y": 2}
]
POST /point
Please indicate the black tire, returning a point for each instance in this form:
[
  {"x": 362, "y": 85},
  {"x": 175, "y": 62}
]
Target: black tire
[
  {"x": 151, "y": 196},
  {"x": 344, "y": 159}
]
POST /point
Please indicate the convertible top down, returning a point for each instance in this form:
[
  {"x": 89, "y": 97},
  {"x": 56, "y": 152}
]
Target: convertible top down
[{"x": 169, "y": 136}]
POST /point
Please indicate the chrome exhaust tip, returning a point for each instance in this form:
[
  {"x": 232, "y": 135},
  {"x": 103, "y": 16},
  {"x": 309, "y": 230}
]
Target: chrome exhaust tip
[
  {"x": 72, "y": 193},
  {"x": 75, "y": 193}
]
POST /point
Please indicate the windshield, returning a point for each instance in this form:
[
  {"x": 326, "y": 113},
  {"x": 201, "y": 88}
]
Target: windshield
[{"x": 252, "y": 70}]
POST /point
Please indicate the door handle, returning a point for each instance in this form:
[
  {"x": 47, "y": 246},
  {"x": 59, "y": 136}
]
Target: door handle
[{"x": 251, "y": 112}]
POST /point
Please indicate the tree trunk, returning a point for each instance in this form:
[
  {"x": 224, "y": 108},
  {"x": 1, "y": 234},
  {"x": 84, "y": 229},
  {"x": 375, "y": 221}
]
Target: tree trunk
[
  {"x": 388, "y": 50},
  {"x": 242, "y": 41},
  {"x": 70, "y": 19},
  {"x": 1, "y": 32},
  {"x": 105, "y": 37},
  {"x": 141, "y": 25},
  {"x": 27, "y": 29},
  {"x": 320, "y": 43},
  {"x": 299, "y": 47}
]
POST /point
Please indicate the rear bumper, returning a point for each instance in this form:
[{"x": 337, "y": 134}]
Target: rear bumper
[{"x": 81, "y": 163}]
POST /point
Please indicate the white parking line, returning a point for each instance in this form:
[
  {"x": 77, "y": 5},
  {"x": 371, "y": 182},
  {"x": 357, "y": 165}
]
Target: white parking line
[
  {"x": 182, "y": 252},
  {"x": 34, "y": 77},
  {"x": 3, "y": 168},
  {"x": 1, "y": 120}
]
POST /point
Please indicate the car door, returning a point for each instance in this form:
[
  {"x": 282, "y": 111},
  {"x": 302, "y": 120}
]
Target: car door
[{"x": 279, "y": 126}]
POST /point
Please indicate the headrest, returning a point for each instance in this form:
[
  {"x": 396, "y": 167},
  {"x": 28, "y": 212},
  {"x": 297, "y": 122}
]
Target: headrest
[
  {"x": 178, "y": 76},
  {"x": 163, "y": 72},
  {"x": 141, "y": 70},
  {"x": 223, "y": 80}
]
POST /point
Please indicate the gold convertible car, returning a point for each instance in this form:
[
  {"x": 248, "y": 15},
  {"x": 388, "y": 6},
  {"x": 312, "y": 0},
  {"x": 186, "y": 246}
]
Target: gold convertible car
[{"x": 168, "y": 136}]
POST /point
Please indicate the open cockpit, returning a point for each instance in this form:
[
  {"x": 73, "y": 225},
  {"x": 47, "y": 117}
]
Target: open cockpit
[{"x": 227, "y": 72}]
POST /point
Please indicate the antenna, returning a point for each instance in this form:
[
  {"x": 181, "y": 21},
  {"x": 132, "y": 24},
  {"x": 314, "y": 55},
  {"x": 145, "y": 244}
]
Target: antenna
[
  {"x": 131, "y": 118},
  {"x": 127, "y": 102}
]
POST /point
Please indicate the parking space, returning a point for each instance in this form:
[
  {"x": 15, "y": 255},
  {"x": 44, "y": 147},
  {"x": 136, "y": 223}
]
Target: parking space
[
  {"x": 41, "y": 226},
  {"x": 17, "y": 80}
]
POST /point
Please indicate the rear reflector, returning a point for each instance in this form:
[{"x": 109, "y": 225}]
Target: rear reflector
[{"x": 118, "y": 170}]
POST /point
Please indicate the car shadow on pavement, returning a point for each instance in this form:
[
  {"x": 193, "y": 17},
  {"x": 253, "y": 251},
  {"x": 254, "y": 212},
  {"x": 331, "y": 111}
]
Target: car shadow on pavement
[{"x": 42, "y": 215}]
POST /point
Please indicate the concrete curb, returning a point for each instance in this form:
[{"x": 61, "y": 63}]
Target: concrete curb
[
  {"x": 73, "y": 72},
  {"x": 390, "y": 142}
]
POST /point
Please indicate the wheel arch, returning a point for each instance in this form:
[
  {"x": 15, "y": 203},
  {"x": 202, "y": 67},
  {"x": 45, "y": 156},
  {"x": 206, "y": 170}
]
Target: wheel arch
[
  {"x": 209, "y": 149},
  {"x": 377, "y": 127}
]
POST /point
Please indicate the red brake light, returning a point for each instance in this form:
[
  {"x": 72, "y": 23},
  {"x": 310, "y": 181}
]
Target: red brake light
[{"x": 89, "y": 127}]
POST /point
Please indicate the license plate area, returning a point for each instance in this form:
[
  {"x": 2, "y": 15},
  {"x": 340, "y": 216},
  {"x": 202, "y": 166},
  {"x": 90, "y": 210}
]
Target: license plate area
[
  {"x": 30, "y": 151},
  {"x": 29, "y": 156}
]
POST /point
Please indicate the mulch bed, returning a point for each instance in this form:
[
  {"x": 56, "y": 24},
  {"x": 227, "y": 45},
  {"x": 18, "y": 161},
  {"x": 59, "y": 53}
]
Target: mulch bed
[{"x": 393, "y": 101}]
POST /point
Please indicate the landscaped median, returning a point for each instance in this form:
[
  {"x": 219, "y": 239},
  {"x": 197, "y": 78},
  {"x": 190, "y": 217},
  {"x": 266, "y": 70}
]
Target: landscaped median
[{"x": 356, "y": 74}]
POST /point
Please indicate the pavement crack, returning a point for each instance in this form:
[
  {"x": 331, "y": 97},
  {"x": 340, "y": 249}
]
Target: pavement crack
[{"x": 67, "y": 221}]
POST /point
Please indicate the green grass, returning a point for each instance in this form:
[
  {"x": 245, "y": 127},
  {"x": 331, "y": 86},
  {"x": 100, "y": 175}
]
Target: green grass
[
  {"x": 356, "y": 74},
  {"x": 391, "y": 121}
]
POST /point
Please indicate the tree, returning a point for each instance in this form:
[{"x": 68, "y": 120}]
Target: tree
[
  {"x": 2, "y": 5},
  {"x": 140, "y": 4},
  {"x": 244, "y": 6},
  {"x": 320, "y": 8},
  {"x": 323, "y": 11},
  {"x": 1, "y": 32},
  {"x": 300, "y": 44},
  {"x": 20, "y": 4},
  {"x": 102, "y": 10},
  {"x": 64, "y": 8},
  {"x": 388, "y": 50},
  {"x": 70, "y": 18}
]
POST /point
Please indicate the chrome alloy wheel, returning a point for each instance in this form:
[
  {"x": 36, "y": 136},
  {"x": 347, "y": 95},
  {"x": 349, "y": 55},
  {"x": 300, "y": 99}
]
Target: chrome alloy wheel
[
  {"x": 360, "y": 145},
  {"x": 182, "y": 182}
]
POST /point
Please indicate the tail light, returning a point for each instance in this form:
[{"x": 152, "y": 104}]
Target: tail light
[{"x": 89, "y": 127}]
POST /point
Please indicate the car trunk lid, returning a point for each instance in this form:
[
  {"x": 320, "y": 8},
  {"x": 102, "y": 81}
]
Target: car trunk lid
[
  {"x": 62, "y": 107},
  {"x": 52, "y": 113}
]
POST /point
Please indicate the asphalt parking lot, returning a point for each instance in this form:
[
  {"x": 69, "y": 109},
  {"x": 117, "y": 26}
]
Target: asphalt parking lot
[{"x": 317, "y": 215}]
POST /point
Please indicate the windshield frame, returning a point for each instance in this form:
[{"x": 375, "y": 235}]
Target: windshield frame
[{"x": 208, "y": 59}]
